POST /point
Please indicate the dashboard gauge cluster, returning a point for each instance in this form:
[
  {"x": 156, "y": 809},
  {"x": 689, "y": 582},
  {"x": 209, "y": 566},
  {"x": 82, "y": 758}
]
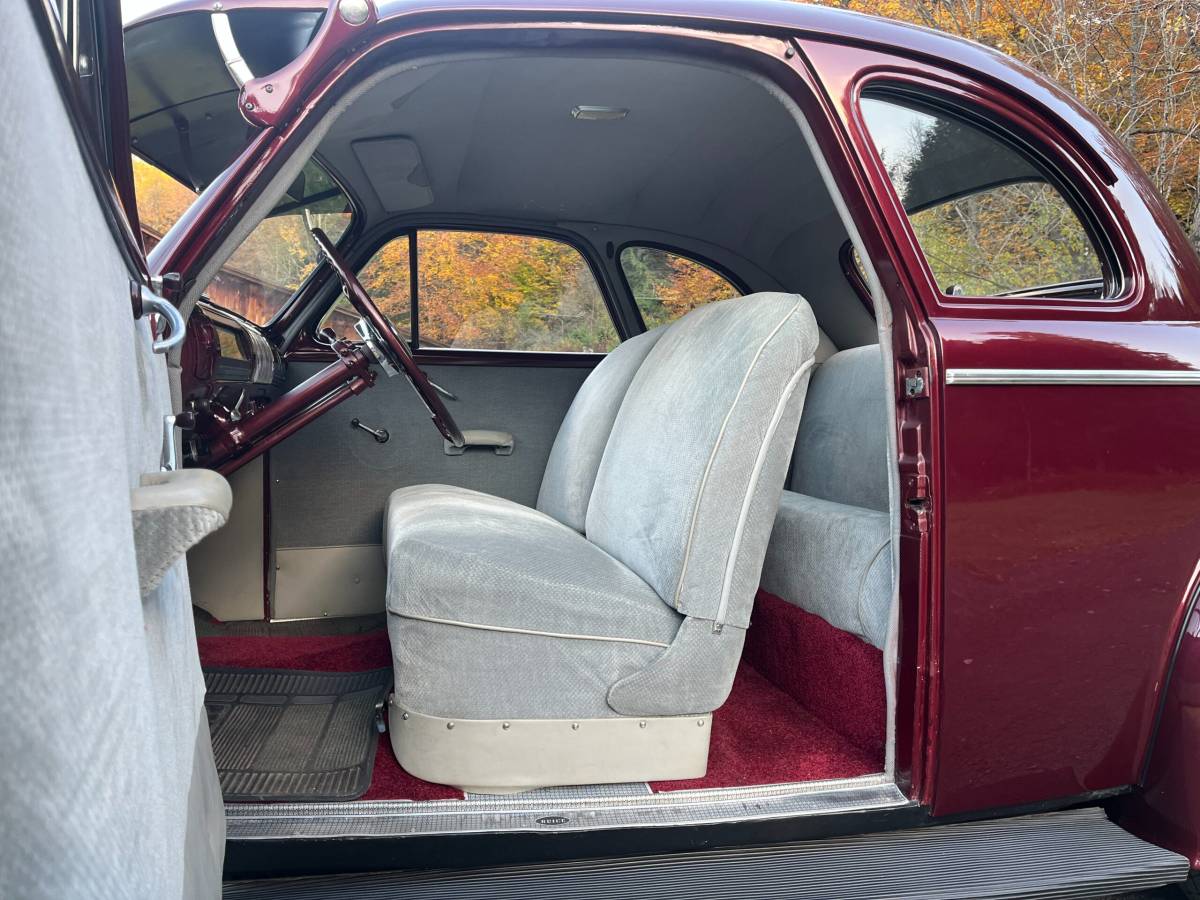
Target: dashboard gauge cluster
[{"x": 229, "y": 370}]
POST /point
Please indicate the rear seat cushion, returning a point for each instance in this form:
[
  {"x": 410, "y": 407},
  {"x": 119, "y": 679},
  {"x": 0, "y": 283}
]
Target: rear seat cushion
[
  {"x": 833, "y": 559},
  {"x": 830, "y": 550}
]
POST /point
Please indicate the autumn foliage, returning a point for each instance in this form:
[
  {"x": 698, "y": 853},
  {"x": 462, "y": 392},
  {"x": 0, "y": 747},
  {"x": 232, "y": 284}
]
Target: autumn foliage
[{"x": 1134, "y": 63}]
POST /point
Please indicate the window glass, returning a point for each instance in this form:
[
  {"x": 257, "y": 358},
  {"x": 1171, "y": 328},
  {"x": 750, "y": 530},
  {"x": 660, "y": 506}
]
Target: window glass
[
  {"x": 386, "y": 279},
  {"x": 276, "y": 257},
  {"x": 491, "y": 291},
  {"x": 161, "y": 201},
  {"x": 666, "y": 285},
  {"x": 989, "y": 221}
]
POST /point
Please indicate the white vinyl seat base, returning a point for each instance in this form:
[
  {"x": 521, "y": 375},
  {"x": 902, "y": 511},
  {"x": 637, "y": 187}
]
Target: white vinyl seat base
[{"x": 492, "y": 756}]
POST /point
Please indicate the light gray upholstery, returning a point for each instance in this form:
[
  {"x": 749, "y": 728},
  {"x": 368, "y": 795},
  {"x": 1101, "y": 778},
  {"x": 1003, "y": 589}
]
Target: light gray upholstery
[
  {"x": 830, "y": 550},
  {"x": 690, "y": 479},
  {"x": 833, "y": 559},
  {"x": 575, "y": 458},
  {"x": 502, "y": 611},
  {"x": 842, "y": 448},
  {"x": 108, "y": 788},
  {"x": 498, "y": 610}
]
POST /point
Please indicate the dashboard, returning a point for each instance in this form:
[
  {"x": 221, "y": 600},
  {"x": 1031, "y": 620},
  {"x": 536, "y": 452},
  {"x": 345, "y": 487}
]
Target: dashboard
[{"x": 229, "y": 370}]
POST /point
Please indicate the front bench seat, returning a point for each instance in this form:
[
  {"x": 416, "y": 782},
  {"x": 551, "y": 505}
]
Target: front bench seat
[{"x": 588, "y": 641}]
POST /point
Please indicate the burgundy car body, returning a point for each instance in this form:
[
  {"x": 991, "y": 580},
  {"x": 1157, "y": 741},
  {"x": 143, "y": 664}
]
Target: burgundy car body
[{"x": 1051, "y": 539}]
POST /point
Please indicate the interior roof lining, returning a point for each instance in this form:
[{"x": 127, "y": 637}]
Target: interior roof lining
[
  {"x": 765, "y": 234},
  {"x": 818, "y": 276}
]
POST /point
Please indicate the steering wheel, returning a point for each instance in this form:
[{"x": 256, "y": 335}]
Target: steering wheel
[{"x": 388, "y": 342}]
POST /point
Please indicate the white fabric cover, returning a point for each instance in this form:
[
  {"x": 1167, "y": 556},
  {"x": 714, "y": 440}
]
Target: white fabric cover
[
  {"x": 575, "y": 458},
  {"x": 830, "y": 551},
  {"x": 691, "y": 477},
  {"x": 501, "y": 611},
  {"x": 834, "y": 560},
  {"x": 108, "y": 787},
  {"x": 842, "y": 447}
]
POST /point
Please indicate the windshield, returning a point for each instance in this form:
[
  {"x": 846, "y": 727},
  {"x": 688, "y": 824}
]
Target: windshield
[{"x": 276, "y": 257}]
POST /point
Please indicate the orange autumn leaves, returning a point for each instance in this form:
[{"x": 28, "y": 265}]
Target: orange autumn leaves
[{"x": 1135, "y": 63}]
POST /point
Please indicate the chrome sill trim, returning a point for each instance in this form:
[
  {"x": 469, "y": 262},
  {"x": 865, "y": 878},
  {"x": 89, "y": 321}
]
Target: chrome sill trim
[
  {"x": 521, "y": 813},
  {"x": 1071, "y": 376}
]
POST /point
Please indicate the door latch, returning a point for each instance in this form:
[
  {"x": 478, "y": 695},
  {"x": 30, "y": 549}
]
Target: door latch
[
  {"x": 380, "y": 434},
  {"x": 916, "y": 383}
]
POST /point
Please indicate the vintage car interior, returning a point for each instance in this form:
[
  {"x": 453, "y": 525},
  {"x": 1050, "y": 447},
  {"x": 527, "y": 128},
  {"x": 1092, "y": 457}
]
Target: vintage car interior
[
  {"x": 566, "y": 598},
  {"x": 633, "y": 550},
  {"x": 682, "y": 444}
]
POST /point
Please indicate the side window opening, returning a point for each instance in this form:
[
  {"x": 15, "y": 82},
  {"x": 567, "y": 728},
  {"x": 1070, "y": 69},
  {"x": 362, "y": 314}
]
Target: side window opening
[
  {"x": 666, "y": 285},
  {"x": 161, "y": 200},
  {"x": 275, "y": 258},
  {"x": 990, "y": 221},
  {"x": 482, "y": 290},
  {"x": 386, "y": 278},
  {"x": 279, "y": 254}
]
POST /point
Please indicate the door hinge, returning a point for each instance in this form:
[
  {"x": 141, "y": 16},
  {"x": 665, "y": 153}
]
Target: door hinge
[
  {"x": 916, "y": 383},
  {"x": 917, "y": 503}
]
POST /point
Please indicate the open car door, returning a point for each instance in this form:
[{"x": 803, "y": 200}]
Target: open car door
[{"x": 108, "y": 781}]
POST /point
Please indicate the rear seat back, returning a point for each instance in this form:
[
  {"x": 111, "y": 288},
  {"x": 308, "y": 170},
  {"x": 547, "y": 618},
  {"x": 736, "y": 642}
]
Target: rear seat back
[
  {"x": 842, "y": 448},
  {"x": 830, "y": 550}
]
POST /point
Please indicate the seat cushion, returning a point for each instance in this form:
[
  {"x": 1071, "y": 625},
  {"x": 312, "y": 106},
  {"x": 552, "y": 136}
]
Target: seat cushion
[
  {"x": 834, "y": 560},
  {"x": 500, "y": 611}
]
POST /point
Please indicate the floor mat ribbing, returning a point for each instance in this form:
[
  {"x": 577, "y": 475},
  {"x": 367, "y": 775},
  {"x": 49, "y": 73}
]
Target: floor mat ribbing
[{"x": 294, "y": 736}]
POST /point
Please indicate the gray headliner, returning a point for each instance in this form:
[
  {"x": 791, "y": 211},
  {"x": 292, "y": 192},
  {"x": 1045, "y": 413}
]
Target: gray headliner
[{"x": 707, "y": 160}]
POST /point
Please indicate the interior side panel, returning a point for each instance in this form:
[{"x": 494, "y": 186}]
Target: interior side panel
[{"x": 330, "y": 482}]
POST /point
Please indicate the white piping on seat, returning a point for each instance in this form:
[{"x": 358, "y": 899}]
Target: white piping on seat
[
  {"x": 687, "y": 550},
  {"x": 751, "y": 489},
  {"x": 552, "y": 634}
]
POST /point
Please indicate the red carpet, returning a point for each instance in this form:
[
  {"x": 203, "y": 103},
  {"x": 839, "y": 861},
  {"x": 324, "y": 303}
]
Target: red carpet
[
  {"x": 833, "y": 674},
  {"x": 332, "y": 653},
  {"x": 762, "y": 735}
]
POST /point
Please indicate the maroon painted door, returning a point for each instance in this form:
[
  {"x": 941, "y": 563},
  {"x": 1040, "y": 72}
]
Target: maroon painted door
[{"x": 1066, "y": 496}]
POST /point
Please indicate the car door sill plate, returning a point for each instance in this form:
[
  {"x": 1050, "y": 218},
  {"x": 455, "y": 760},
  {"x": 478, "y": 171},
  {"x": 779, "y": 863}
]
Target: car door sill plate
[
  {"x": 530, "y": 811},
  {"x": 1074, "y": 853}
]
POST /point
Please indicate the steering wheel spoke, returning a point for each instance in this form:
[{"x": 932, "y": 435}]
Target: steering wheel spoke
[{"x": 386, "y": 345}]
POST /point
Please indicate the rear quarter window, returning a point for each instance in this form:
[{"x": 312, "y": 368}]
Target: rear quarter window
[
  {"x": 991, "y": 222},
  {"x": 667, "y": 285}
]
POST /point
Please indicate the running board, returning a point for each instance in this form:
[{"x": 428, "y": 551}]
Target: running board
[{"x": 1077, "y": 853}]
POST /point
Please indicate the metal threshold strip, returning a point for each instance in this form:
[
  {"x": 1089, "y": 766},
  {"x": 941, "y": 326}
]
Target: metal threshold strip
[
  {"x": 1073, "y": 854},
  {"x": 559, "y": 809}
]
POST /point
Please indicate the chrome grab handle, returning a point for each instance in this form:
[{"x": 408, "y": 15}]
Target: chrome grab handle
[{"x": 176, "y": 328}]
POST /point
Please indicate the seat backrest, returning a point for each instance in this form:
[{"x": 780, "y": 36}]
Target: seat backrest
[
  {"x": 842, "y": 448},
  {"x": 691, "y": 476},
  {"x": 575, "y": 457}
]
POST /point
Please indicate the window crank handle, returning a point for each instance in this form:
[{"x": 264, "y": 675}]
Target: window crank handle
[{"x": 380, "y": 434}]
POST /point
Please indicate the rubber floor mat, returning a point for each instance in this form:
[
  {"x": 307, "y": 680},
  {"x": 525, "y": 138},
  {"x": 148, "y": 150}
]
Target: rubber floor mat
[{"x": 295, "y": 736}]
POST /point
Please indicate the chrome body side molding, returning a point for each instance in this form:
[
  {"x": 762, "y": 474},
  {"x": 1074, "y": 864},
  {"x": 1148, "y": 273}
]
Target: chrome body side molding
[{"x": 1072, "y": 376}]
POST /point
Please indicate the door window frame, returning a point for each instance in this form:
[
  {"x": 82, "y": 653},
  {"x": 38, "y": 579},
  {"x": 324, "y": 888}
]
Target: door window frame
[
  {"x": 313, "y": 302},
  {"x": 1025, "y": 131}
]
